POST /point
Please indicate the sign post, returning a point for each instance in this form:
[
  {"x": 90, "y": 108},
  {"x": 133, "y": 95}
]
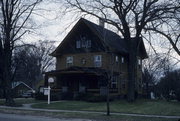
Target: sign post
[
  {"x": 47, "y": 91},
  {"x": 49, "y": 94}
]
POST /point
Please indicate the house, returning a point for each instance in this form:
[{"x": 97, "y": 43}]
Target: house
[
  {"x": 20, "y": 88},
  {"x": 88, "y": 57}
]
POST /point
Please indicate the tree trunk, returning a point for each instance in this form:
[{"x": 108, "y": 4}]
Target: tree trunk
[
  {"x": 132, "y": 70},
  {"x": 7, "y": 77},
  {"x": 107, "y": 103}
]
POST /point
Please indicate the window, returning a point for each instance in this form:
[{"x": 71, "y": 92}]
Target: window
[
  {"x": 122, "y": 59},
  {"x": 78, "y": 44},
  {"x": 139, "y": 62},
  {"x": 69, "y": 61},
  {"x": 97, "y": 61},
  {"x": 114, "y": 82},
  {"x": 83, "y": 42},
  {"x": 88, "y": 43},
  {"x": 116, "y": 59}
]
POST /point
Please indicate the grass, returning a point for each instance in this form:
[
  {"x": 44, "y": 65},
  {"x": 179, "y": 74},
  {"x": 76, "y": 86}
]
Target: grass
[
  {"x": 156, "y": 107},
  {"x": 20, "y": 101}
]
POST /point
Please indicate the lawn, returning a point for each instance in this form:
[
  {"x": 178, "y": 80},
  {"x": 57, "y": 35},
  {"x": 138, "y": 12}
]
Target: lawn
[
  {"x": 157, "y": 107},
  {"x": 20, "y": 101}
]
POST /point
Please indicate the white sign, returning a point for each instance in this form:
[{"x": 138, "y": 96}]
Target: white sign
[
  {"x": 51, "y": 80},
  {"x": 46, "y": 91}
]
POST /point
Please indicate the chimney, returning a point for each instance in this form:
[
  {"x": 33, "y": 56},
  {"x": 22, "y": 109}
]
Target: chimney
[{"x": 101, "y": 22}]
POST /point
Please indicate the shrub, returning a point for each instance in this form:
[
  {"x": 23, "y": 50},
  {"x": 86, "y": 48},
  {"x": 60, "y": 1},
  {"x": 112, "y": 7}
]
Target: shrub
[
  {"x": 67, "y": 96},
  {"x": 40, "y": 96}
]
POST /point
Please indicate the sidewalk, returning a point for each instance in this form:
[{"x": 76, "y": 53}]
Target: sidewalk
[{"x": 29, "y": 108}]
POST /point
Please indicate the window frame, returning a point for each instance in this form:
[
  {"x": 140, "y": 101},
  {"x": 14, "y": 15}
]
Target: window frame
[
  {"x": 78, "y": 44},
  {"x": 69, "y": 61},
  {"x": 122, "y": 59},
  {"x": 98, "y": 60}
]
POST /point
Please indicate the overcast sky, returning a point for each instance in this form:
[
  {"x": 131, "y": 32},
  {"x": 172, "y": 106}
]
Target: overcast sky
[{"x": 54, "y": 25}]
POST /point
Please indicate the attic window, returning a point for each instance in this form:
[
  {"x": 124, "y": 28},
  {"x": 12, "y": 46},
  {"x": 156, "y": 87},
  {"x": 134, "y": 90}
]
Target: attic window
[
  {"x": 139, "y": 62},
  {"x": 78, "y": 44},
  {"x": 83, "y": 42},
  {"x": 88, "y": 43},
  {"x": 116, "y": 58},
  {"x": 122, "y": 59}
]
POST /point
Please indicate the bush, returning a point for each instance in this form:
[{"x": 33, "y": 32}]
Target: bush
[
  {"x": 40, "y": 96},
  {"x": 67, "y": 96},
  {"x": 81, "y": 96}
]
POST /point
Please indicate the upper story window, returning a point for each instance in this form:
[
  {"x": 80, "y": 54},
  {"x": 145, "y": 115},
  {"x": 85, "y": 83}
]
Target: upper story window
[
  {"x": 88, "y": 43},
  {"x": 97, "y": 60},
  {"x": 116, "y": 59},
  {"x": 78, "y": 44},
  {"x": 122, "y": 59},
  {"x": 83, "y": 42},
  {"x": 69, "y": 61},
  {"x": 139, "y": 62}
]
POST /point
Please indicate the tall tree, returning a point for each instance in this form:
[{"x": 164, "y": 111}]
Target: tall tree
[
  {"x": 14, "y": 16},
  {"x": 130, "y": 17},
  {"x": 31, "y": 60}
]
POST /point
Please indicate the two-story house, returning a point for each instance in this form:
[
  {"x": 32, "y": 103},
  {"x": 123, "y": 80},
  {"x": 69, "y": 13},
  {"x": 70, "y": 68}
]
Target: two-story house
[{"x": 90, "y": 56}]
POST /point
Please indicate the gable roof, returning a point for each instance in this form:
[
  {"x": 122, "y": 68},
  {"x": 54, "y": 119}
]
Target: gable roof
[
  {"x": 111, "y": 41},
  {"x": 22, "y": 83}
]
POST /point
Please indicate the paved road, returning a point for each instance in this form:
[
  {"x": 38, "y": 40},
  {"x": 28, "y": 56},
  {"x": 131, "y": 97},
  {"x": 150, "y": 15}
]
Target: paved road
[{"x": 15, "y": 117}]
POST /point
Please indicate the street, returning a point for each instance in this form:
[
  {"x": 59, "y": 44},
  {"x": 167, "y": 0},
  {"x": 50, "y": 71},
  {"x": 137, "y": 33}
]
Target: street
[{"x": 15, "y": 117}]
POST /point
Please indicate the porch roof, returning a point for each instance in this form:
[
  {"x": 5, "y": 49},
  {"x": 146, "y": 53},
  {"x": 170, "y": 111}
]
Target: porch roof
[{"x": 81, "y": 70}]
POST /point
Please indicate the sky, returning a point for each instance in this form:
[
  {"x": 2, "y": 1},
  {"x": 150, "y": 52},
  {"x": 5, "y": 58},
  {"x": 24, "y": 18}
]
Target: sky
[{"x": 52, "y": 24}]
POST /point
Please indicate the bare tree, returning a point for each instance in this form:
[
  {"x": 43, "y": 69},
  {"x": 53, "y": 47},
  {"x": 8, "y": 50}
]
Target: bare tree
[
  {"x": 31, "y": 60},
  {"x": 169, "y": 28},
  {"x": 130, "y": 17},
  {"x": 14, "y": 16},
  {"x": 42, "y": 50}
]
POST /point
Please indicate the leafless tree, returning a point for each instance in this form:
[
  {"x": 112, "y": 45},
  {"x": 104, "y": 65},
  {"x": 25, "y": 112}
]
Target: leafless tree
[
  {"x": 169, "y": 28},
  {"x": 42, "y": 49},
  {"x": 13, "y": 25},
  {"x": 31, "y": 60},
  {"x": 130, "y": 17}
]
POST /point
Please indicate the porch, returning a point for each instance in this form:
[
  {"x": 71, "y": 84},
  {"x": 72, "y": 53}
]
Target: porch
[{"x": 77, "y": 80}]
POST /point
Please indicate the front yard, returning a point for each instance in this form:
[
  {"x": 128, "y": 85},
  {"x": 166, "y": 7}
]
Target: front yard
[
  {"x": 156, "y": 107},
  {"x": 20, "y": 101}
]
